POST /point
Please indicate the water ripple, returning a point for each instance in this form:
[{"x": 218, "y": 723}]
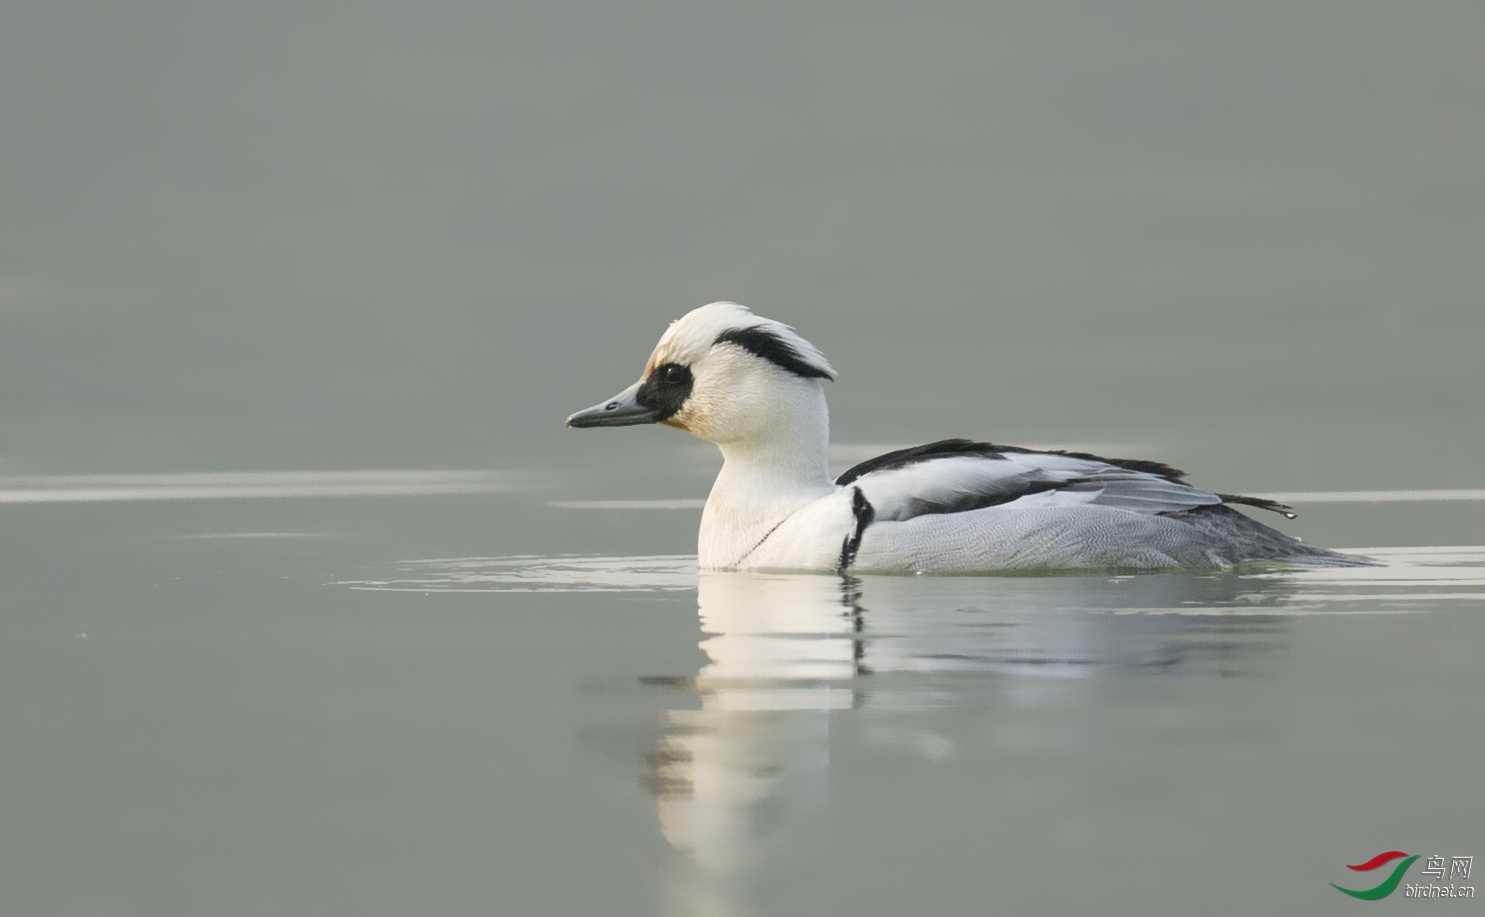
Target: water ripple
[
  {"x": 1411, "y": 576},
  {"x": 522, "y": 573}
]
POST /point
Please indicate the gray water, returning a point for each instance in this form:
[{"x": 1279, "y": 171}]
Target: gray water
[{"x": 311, "y": 606}]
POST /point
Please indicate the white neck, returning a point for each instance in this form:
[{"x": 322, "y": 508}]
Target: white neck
[{"x": 765, "y": 478}]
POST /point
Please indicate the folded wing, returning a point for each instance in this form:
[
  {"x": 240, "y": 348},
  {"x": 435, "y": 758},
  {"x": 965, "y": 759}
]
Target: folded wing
[{"x": 956, "y": 476}]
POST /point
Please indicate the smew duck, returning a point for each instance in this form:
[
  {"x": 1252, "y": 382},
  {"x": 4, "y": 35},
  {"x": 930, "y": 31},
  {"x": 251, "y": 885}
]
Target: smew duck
[{"x": 755, "y": 388}]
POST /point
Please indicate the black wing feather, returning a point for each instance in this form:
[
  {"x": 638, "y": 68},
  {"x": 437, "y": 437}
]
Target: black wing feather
[
  {"x": 947, "y": 447},
  {"x": 971, "y": 500}
]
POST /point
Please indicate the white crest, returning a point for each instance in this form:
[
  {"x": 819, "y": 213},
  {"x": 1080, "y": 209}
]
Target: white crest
[{"x": 691, "y": 336}]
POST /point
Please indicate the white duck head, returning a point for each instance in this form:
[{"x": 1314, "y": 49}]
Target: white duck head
[
  {"x": 756, "y": 389},
  {"x": 728, "y": 376}
]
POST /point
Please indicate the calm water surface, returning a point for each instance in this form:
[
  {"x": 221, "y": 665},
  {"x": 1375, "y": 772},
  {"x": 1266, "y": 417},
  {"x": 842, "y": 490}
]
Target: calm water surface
[
  {"x": 330, "y": 705},
  {"x": 244, "y": 245}
]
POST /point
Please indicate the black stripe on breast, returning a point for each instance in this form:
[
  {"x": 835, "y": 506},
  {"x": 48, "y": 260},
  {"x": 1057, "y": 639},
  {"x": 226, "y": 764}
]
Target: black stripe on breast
[
  {"x": 864, "y": 513},
  {"x": 761, "y": 342}
]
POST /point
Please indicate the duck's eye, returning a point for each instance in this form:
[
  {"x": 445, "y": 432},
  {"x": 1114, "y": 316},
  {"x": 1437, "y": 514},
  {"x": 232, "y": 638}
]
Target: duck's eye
[{"x": 665, "y": 390}]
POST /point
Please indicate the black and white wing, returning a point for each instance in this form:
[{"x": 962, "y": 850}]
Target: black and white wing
[{"x": 956, "y": 476}]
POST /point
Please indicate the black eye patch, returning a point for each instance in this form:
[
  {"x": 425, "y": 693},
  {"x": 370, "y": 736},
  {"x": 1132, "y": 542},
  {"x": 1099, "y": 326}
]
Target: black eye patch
[{"x": 665, "y": 389}]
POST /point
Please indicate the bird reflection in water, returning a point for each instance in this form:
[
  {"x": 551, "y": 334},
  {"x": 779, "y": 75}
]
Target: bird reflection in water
[{"x": 786, "y": 653}]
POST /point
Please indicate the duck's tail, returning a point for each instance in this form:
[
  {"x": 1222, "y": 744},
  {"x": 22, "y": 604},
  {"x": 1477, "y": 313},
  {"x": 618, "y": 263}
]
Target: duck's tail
[{"x": 1241, "y": 538}]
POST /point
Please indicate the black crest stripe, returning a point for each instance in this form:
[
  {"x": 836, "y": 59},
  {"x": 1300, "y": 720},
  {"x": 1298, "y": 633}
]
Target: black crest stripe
[{"x": 773, "y": 347}]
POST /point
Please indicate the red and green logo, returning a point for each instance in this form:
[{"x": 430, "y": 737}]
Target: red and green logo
[{"x": 1389, "y": 884}]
